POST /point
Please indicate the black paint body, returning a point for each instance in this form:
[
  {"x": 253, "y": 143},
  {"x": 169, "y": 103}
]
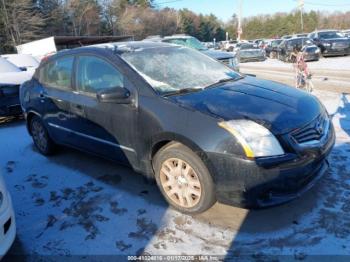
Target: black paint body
[{"x": 131, "y": 133}]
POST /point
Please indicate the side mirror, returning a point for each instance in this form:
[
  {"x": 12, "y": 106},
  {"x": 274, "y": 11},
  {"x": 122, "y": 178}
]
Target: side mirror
[{"x": 119, "y": 95}]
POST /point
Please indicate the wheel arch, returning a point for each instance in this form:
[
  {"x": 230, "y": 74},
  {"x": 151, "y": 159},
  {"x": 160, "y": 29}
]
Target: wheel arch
[
  {"x": 29, "y": 115},
  {"x": 161, "y": 140}
]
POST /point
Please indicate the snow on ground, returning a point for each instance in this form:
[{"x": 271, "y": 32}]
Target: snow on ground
[
  {"x": 334, "y": 63},
  {"x": 77, "y": 204}
]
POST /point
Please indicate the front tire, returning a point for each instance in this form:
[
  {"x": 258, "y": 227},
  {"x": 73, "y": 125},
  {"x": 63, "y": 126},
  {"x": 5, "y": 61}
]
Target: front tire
[
  {"x": 183, "y": 179},
  {"x": 41, "y": 138}
]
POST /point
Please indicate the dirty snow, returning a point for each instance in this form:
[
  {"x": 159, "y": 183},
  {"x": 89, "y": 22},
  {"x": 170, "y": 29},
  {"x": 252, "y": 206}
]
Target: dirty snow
[{"x": 77, "y": 204}]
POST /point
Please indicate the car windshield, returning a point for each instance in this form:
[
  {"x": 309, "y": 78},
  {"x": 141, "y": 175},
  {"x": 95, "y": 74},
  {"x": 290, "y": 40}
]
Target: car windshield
[
  {"x": 188, "y": 42},
  {"x": 329, "y": 35},
  {"x": 171, "y": 69},
  {"x": 275, "y": 43}
]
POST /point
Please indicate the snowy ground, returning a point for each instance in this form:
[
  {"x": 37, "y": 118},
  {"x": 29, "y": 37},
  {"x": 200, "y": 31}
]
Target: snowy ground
[
  {"x": 329, "y": 74},
  {"x": 327, "y": 63},
  {"x": 76, "y": 204}
]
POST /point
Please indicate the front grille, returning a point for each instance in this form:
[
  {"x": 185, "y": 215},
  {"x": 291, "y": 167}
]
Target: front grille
[
  {"x": 313, "y": 132},
  {"x": 340, "y": 45},
  {"x": 9, "y": 90}
]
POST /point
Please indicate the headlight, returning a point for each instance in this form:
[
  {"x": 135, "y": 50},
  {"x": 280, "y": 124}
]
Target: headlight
[
  {"x": 256, "y": 140},
  {"x": 326, "y": 44},
  {"x": 317, "y": 51}
]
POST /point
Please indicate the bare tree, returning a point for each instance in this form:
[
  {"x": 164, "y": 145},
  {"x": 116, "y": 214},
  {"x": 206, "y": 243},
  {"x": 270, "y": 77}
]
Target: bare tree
[
  {"x": 23, "y": 21},
  {"x": 84, "y": 16}
]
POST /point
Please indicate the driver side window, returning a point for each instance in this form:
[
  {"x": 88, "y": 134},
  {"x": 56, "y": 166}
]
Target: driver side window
[{"x": 94, "y": 74}]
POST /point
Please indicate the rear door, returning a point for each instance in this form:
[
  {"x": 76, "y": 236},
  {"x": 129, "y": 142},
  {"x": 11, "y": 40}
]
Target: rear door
[
  {"x": 106, "y": 129},
  {"x": 55, "y": 93}
]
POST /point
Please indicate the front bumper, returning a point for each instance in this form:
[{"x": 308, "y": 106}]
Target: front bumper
[
  {"x": 252, "y": 59},
  {"x": 267, "y": 182},
  {"x": 7, "y": 227},
  {"x": 312, "y": 57},
  {"x": 10, "y": 106},
  {"x": 329, "y": 51}
]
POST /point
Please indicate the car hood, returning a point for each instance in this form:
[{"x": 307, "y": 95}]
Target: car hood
[
  {"x": 218, "y": 54},
  {"x": 278, "y": 107}
]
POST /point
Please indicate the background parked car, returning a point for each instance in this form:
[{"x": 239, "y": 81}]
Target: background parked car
[
  {"x": 331, "y": 42},
  {"x": 311, "y": 53},
  {"x": 228, "y": 59},
  {"x": 247, "y": 52},
  {"x": 301, "y": 35},
  {"x": 346, "y": 33},
  {"x": 7, "y": 220},
  {"x": 287, "y": 37},
  {"x": 11, "y": 77},
  {"x": 229, "y": 45},
  {"x": 22, "y": 61},
  {"x": 287, "y": 46},
  {"x": 271, "y": 48}
]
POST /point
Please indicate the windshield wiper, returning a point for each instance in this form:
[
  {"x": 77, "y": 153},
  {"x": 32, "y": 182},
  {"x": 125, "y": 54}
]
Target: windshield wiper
[
  {"x": 224, "y": 80},
  {"x": 183, "y": 91}
]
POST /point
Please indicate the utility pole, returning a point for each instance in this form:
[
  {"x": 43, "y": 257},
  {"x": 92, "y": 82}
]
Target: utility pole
[
  {"x": 301, "y": 6},
  {"x": 239, "y": 27}
]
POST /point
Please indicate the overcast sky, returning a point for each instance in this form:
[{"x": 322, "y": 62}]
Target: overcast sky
[{"x": 224, "y": 9}]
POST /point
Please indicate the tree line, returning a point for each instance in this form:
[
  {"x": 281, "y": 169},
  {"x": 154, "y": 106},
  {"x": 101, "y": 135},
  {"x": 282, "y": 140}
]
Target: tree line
[{"x": 22, "y": 21}]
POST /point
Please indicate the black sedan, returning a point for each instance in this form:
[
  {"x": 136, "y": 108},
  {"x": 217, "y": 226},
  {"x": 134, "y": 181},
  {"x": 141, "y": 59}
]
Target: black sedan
[
  {"x": 311, "y": 53},
  {"x": 271, "y": 48},
  {"x": 305, "y": 44},
  {"x": 331, "y": 42},
  {"x": 247, "y": 52},
  {"x": 203, "y": 131}
]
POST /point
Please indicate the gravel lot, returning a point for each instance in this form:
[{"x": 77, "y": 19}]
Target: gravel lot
[{"x": 76, "y": 204}]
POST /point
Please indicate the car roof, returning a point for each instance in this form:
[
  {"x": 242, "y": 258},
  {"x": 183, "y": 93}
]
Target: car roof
[
  {"x": 117, "y": 46},
  {"x": 298, "y": 37},
  {"x": 327, "y": 30}
]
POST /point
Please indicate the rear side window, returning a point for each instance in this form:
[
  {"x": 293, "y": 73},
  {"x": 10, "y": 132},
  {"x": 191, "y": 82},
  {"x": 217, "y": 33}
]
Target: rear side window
[
  {"x": 94, "y": 74},
  {"x": 58, "y": 73}
]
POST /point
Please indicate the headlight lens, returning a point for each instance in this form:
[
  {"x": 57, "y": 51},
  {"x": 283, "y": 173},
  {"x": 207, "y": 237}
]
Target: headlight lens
[{"x": 256, "y": 140}]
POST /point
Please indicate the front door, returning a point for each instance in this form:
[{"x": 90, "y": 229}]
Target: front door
[{"x": 104, "y": 128}]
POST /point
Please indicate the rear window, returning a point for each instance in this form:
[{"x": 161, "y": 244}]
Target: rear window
[
  {"x": 329, "y": 35},
  {"x": 57, "y": 73}
]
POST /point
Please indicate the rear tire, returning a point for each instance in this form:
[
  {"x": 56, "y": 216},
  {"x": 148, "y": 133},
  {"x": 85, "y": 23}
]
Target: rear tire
[
  {"x": 41, "y": 138},
  {"x": 183, "y": 179}
]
